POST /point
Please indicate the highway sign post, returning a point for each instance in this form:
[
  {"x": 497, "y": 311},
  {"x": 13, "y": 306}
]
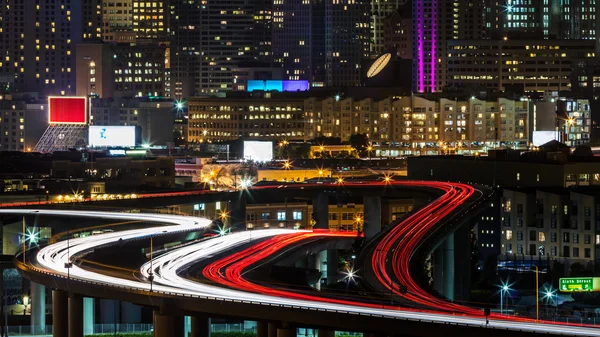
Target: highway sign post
[{"x": 571, "y": 284}]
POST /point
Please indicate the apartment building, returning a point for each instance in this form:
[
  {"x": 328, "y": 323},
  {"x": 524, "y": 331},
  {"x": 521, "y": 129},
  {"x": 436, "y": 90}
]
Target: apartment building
[
  {"x": 22, "y": 124},
  {"x": 550, "y": 223},
  {"x": 268, "y": 118}
]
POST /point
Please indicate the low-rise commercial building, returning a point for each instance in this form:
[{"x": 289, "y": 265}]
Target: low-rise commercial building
[
  {"x": 124, "y": 172},
  {"x": 155, "y": 117}
]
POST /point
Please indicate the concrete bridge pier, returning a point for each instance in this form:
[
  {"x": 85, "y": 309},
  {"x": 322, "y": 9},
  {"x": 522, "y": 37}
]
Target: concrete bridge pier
[
  {"x": 451, "y": 279},
  {"x": 60, "y": 319},
  {"x": 75, "y": 315},
  {"x": 200, "y": 326},
  {"x": 262, "y": 329},
  {"x": 372, "y": 219},
  {"x": 237, "y": 215},
  {"x": 332, "y": 266},
  {"x": 449, "y": 267},
  {"x": 314, "y": 262},
  {"x": 166, "y": 325},
  {"x": 38, "y": 308},
  {"x": 320, "y": 204},
  {"x": 286, "y": 331},
  {"x": 272, "y": 329}
]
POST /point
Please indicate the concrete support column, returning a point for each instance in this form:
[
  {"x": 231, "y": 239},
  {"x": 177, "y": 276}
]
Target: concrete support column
[
  {"x": 262, "y": 329},
  {"x": 372, "y": 220},
  {"x": 332, "y": 266},
  {"x": 200, "y": 326},
  {"x": 75, "y": 316},
  {"x": 89, "y": 312},
  {"x": 320, "y": 204},
  {"x": 449, "y": 267},
  {"x": 167, "y": 325},
  {"x": 462, "y": 270},
  {"x": 237, "y": 215},
  {"x": 314, "y": 262},
  {"x": 272, "y": 329},
  {"x": 60, "y": 316},
  {"x": 286, "y": 332},
  {"x": 325, "y": 333},
  {"x": 38, "y": 308},
  {"x": 438, "y": 269}
]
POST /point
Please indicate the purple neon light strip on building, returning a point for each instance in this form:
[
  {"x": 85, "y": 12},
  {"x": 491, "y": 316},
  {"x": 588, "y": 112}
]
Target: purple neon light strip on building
[
  {"x": 433, "y": 41},
  {"x": 421, "y": 60}
]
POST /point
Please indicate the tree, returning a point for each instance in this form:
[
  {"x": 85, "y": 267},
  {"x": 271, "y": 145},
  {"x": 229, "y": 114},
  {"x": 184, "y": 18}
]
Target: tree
[{"x": 359, "y": 141}]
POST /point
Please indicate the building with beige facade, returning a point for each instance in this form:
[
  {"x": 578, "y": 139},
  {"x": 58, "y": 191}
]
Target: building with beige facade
[{"x": 395, "y": 125}]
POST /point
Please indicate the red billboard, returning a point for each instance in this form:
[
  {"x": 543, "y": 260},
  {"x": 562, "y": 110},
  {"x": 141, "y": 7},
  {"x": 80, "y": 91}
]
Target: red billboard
[{"x": 67, "y": 110}]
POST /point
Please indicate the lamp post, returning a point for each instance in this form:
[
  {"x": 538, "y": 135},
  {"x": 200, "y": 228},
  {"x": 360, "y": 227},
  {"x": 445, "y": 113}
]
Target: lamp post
[
  {"x": 537, "y": 294},
  {"x": 502, "y": 291}
]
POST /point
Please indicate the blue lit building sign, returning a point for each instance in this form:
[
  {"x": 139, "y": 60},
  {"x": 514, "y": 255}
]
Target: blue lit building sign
[{"x": 277, "y": 85}]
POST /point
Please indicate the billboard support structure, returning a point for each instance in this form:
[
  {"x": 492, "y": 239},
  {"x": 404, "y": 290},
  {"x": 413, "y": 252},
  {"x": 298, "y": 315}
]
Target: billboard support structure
[
  {"x": 61, "y": 137},
  {"x": 67, "y": 124}
]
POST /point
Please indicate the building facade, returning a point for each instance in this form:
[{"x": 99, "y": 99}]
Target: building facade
[
  {"x": 215, "y": 119},
  {"x": 155, "y": 117},
  {"x": 22, "y": 124},
  {"x": 557, "y": 224},
  {"x": 525, "y": 65},
  {"x": 37, "y": 43}
]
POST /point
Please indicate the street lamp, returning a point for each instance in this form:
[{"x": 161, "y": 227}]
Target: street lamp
[
  {"x": 550, "y": 293},
  {"x": 504, "y": 288}
]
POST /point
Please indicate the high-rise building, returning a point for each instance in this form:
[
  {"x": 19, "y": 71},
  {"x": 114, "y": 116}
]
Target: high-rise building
[
  {"x": 548, "y": 19},
  {"x": 117, "y": 20},
  {"x": 435, "y": 22},
  {"x": 37, "y": 42},
  {"x": 207, "y": 40},
  {"x": 322, "y": 42},
  {"x": 397, "y": 33},
  {"x": 519, "y": 65},
  {"x": 185, "y": 50},
  {"x": 150, "y": 19},
  {"x": 380, "y": 10},
  {"x": 121, "y": 70}
]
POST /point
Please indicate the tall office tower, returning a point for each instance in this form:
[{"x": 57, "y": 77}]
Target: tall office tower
[
  {"x": 397, "y": 33},
  {"x": 321, "y": 41},
  {"x": 91, "y": 19},
  {"x": 208, "y": 39},
  {"x": 37, "y": 40},
  {"x": 548, "y": 19},
  {"x": 117, "y": 21},
  {"x": 298, "y": 39},
  {"x": 434, "y": 23},
  {"x": 184, "y": 41},
  {"x": 380, "y": 10},
  {"x": 347, "y": 35},
  {"x": 150, "y": 19},
  {"x": 263, "y": 26}
]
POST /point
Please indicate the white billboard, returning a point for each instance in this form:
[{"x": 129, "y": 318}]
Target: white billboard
[
  {"x": 543, "y": 137},
  {"x": 258, "y": 151},
  {"x": 111, "y": 136}
]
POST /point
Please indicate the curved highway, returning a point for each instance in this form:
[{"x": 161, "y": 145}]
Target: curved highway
[{"x": 227, "y": 274}]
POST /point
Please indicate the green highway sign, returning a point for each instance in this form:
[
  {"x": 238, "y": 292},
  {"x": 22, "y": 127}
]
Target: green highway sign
[{"x": 579, "y": 284}]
